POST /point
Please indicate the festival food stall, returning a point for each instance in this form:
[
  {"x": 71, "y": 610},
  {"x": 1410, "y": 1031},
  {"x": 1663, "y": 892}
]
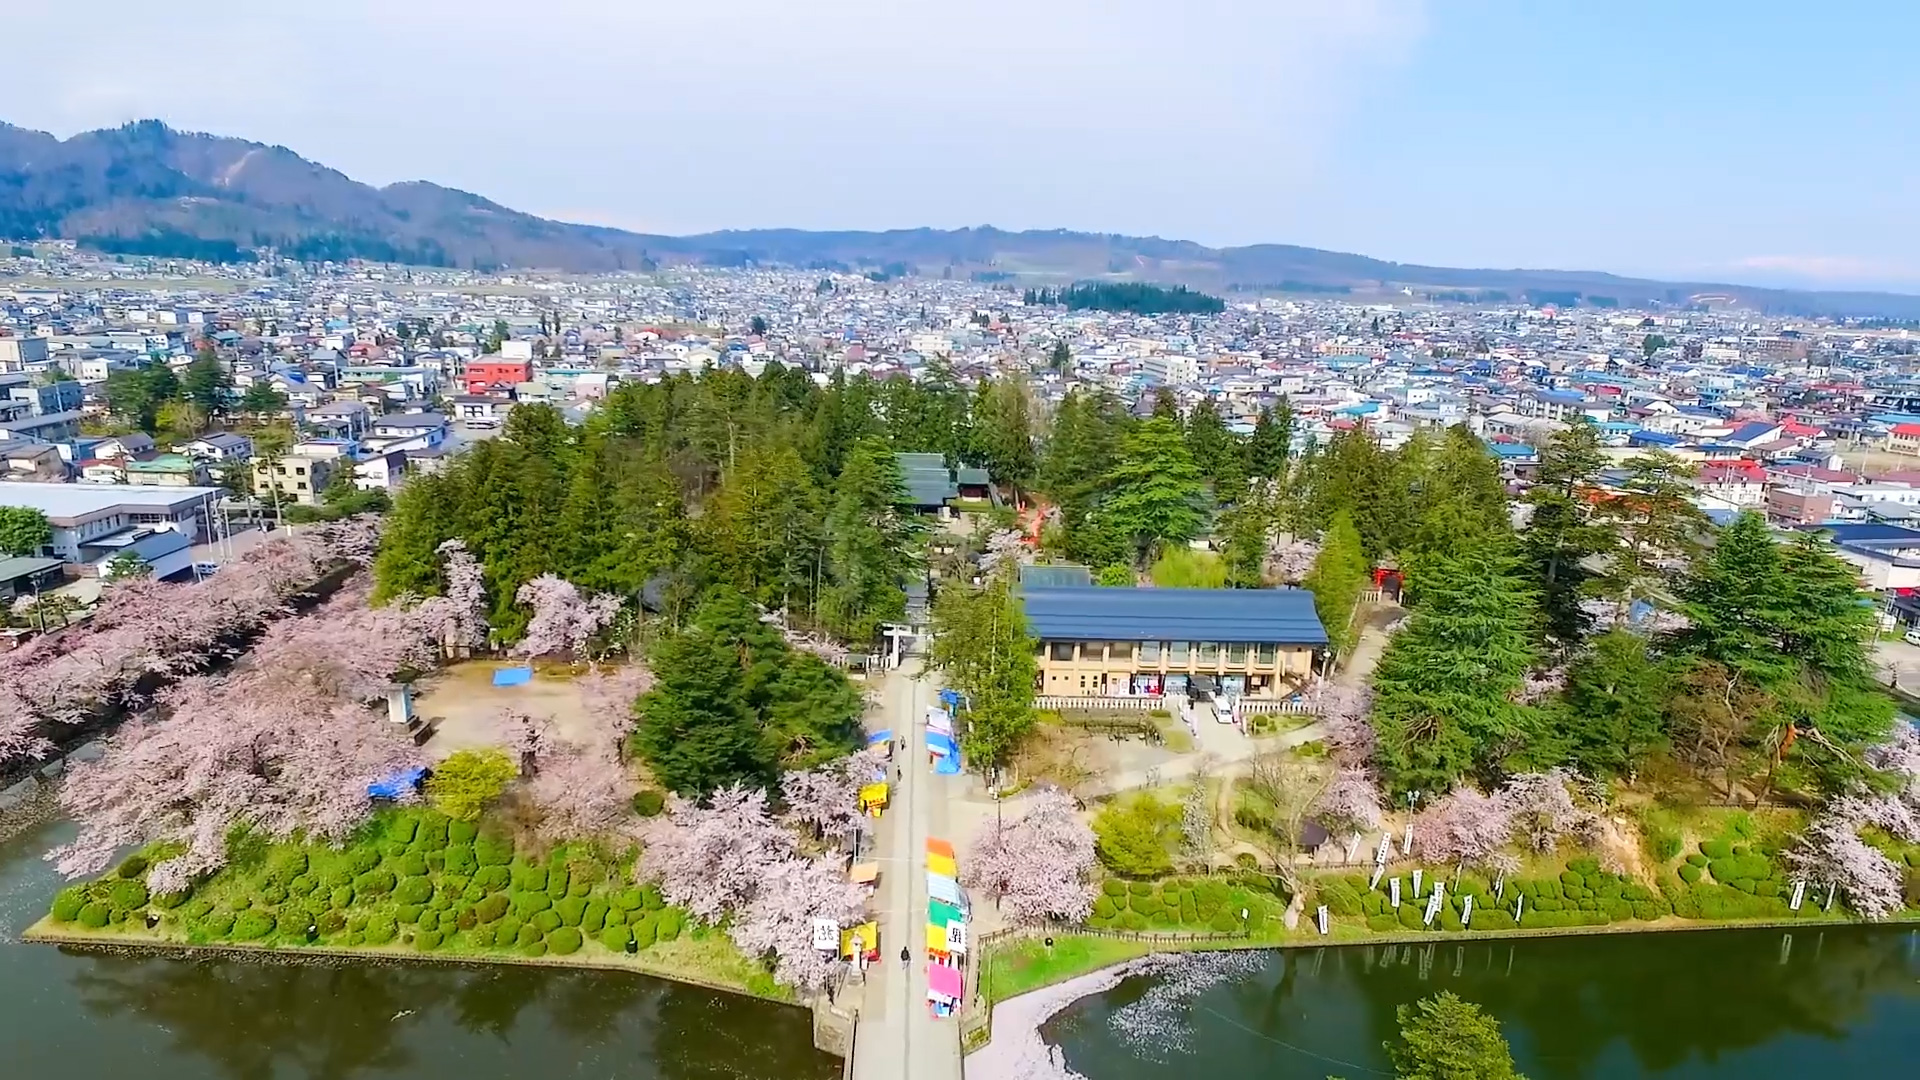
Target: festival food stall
[
  {"x": 861, "y": 941},
  {"x": 945, "y": 988},
  {"x": 873, "y": 799}
]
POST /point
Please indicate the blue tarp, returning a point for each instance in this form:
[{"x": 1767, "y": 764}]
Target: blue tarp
[
  {"x": 397, "y": 785},
  {"x": 879, "y": 737},
  {"x": 951, "y": 698},
  {"x": 513, "y": 676},
  {"x": 947, "y": 766},
  {"x": 941, "y": 744}
]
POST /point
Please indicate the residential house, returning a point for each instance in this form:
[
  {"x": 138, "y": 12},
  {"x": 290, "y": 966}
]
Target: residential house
[
  {"x": 1903, "y": 439},
  {"x": 82, "y": 514},
  {"x": 218, "y": 448},
  {"x": 165, "y": 470},
  {"x": 407, "y": 431},
  {"x": 297, "y": 476}
]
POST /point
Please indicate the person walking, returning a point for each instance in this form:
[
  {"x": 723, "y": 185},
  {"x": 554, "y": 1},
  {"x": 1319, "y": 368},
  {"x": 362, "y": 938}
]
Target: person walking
[{"x": 906, "y": 957}]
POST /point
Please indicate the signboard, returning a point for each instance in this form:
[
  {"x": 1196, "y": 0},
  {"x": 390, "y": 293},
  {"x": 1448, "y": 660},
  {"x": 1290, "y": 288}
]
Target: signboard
[
  {"x": 1799, "y": 894},
  {"x": 1395, "y": 890},
  {"x": 826, "y": 934},
  {"x": 956, "y": 937},
  {"x": 1433, "y": 905},
  {"x": 1406, "y": 845},
  {"x": 1466, "y": 910},
  {"x": 1386, "y": 848},
  {"x": 1416, "y": 881},
  {"x": 1320, "y": 916}
]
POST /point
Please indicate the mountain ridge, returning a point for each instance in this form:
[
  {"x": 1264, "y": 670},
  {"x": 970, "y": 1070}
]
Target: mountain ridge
[{"x": 148, "y": 188}]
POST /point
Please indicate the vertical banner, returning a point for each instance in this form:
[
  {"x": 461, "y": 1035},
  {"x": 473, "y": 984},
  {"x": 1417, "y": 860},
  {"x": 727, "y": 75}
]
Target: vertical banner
[
  {"x": 1434, "y": 902},
  {"x": 1500, "y": 886},
  {"x": 1466, "y": 910},
  {"x": 1518, "y": 903},
  {"x": 1321, "y": 916},
  {"x": 1386, "y": 849},
  {"x": 1416, "y": 881},
  {"x": 1406, "y": 845},
  {"x": 1799, "y": 894},
  {"x": 1395, "y": 891},
  {"x": 1374, "y": 882}
]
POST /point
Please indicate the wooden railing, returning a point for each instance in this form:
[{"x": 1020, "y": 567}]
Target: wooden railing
[{"x": 1063, "y": 702}]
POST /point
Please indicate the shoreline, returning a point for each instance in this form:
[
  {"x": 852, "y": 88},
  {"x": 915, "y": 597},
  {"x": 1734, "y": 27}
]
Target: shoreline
[
  {"x": 139, "y": 943},
  {"x": 1025, "y": 1056}
]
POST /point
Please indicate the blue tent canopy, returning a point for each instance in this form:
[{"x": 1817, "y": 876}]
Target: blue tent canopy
[
  {"x": 879, "y": 737},
  {"x": 951, "y": 698},
  {"x": 941, "y": 744},
  {"x": 397, "y": 785},
  {"x": 513, "y": 676}
]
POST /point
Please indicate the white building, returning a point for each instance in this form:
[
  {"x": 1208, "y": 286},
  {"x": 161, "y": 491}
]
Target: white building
[{"x": 82, "y": 515}]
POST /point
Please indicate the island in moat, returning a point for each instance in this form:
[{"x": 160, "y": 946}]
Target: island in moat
[{"x": 622, "y": 730}]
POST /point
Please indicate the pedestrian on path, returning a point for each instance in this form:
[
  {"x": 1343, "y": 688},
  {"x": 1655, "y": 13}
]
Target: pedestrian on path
[{"x": 905, "y": 956}]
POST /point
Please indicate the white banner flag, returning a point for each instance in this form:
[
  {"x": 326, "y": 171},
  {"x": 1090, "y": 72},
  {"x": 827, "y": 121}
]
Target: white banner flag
[
  {"x": 1416, "y": 881},
  {"x": 956, "y": 938},
  {"x": 1466, "y": 910},
  {"x": 1395, "y": 890},
  {"x": 1321, "y": 916},
  {"x": 1375, "y": 883},
  {"x": 1518, "y": 903},
  {"x": 1434, "y": 902},
  {"x": 1799, "y": 894},
  {"x": 1386, "y": 849},
  {"x": 1406, "y": 846}
]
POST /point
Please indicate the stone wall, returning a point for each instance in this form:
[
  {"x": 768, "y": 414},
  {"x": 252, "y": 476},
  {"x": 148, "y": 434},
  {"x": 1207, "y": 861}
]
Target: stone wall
[{"x": 30, "y": 799}]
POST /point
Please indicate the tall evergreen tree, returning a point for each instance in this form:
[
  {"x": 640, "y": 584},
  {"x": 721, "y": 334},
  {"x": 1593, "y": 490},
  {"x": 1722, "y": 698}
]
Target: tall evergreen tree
[
  {"x": 1563, "y": 532},
  {"x": 868, "y": 542},
  {"x": 1216, "y": 450},
  {"x": 1154, "y": 496},
  {"x": 1657, "y": 523},
  {"x": 1338, "y": 577},
  {"x": 1272, "y": 442}
]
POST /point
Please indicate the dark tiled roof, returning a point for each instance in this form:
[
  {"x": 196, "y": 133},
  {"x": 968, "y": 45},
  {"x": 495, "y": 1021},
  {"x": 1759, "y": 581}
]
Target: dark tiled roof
[{"x": 1279, "y": 616}]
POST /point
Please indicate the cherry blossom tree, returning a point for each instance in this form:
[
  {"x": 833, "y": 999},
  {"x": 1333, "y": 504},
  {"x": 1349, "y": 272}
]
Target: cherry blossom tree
[
  {"x": 778, "y": 920},
  {"x": 1350, "y": 803},
  {"x": 1463, "y": 827},
  {"x": 1539, "y": 685},
  {"x": 1005, "y": 551},
  {"x": 1899, "y": 758},
  {"x": 283, "y": 742},
  {"x": 1890, "y": 814},
  {"x": 1831, "y": 851},
  {"x": 825, "y": 800},
  {"x": 143, "y": 628},
  {"x": 711, "y": 858},
  {"x": 1343, "y": 715},
  {"x": 1038, "y": 867},
  {"x": 1289, "y": 560},
  {"x": 1541, "y": 809},
  {"x": 459, "y": 617},
  {"x": 564, "y": 621},
  {"x": 580, "y": 784}
]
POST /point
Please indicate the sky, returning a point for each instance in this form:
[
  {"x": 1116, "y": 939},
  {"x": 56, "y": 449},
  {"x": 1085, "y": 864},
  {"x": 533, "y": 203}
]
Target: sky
[{"x": 1764, "y": 141}]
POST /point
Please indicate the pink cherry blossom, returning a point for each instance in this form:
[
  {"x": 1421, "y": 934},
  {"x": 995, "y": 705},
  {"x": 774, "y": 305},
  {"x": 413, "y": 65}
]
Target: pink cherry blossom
[
  {"x": 778, "y": 920},
  {"x": 1350, "y": 803},
  {"x": 1462, "y": 827},
  {"x": 710, "y": 858},
  {"x": 1831, "y": 851},
  {"x": 1343, "y": 712},
  {"x": 825, "y": 800},
  {"x": 459, "y": 617},
  {"x": 1290, "y": 560},
  {"x": 1038, "y": 866},
  {"x": 564, "y": 622},
  {"x": 1541, "y": 809}
]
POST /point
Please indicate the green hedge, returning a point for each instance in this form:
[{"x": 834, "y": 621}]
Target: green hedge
[
  {"x": 492, "y": 878},
  {"x": 332, "y": 922},
  {"x": 534, "y": 948},
  {"x": 403, "y": 828},
  {"x": 410, "y": 913},
  {"x": 1716, "y": 849},
  {"x": 1103, "y": 907},
  {"x": 1382, "y": 923},
  {"x": 651, "y": 899},
  {"x": 459, "y": 859},
  {"x": 1689, "y": 873},
  {"x": 529, "y": 934},
  {"x": 594, "y": 917},
  {"x": 527, "y": 904},
  {"x": 67, "y": 905},
  {"x": 492, "y": 852},
  {"x": 381, "y": 929},
  {"x": 374, "y": 883},
  {"x": 564, "y": 941},
  {"x": 492, "y": 908},
  {"x": 615, "y": 938},
  {"x": 1341, "y": 895},
  {"x": 427, "y": 940},
  {"x": 571, "y": 910},
  {"x": 667, "y": 924},
  {"x": 462, "y": 832},
  {"x": 362, "y": 859},
  {"x": 95, "y": 915},
  {"x": 546, "y": 920},
  {"x": 648, "y": 802},
  {"x": 646, "y": 931},
  {"x": 252, "y": 926},
  {"x": 557, "y": 880}
]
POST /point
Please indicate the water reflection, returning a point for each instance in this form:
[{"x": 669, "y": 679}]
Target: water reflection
[
  {"x": 1722, "y": 1003},
  {"x": 87, "y": 1014}
]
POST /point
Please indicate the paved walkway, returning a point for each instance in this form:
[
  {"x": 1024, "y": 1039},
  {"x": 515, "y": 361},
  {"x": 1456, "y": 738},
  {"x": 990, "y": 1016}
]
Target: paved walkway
[{"x": 898, "y": 1038}]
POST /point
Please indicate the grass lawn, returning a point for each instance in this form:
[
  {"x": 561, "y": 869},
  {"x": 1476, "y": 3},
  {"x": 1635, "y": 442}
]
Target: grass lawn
[{"x": 1028, "y": 964}]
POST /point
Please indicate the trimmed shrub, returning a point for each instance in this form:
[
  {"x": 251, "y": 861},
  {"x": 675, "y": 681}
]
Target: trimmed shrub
[
  {"x": 402, "y": 828},
  {"x": 564, "y": 941},
  {"x": 492, "y": 908},
  {"x": 1649, "y": 910},
  {"x": 410, "y": 913},
  {"x": 1636, "y": 892},
  {"x": 527, "y": 903},
  {"x": 1617, "y": 910},
  {"x": 648, "y": 803},
  {"x": 128, "y": 895},
  {"x": 1612, "y": 890},
  {"x": 355, "y": 939},
  {"x": 1449, "y": 919},
  {"x": 594, "y": 917},
  {"x": 395, "y": 850},
  {"x": 1133, "y": 920},
  {"x": 1665, "y": 843},
  {"x": 293, "y": 923},
  {"x": 273, "y": 894},
  {"x": 1492, "y": 918},
  {"x": 492, "y": 878},
  {"x": 571, "y": 910},
  {"x": 529, "y": 934},
  {"x": 117, "y": 916},
  {"x": 534, "y": 948},
  {"x": 1769, "y": 887},
  {"x": 1716, "y": 849},
  {"x": 1689, "y": 873},
  {"x": 1382, "y": 923},
  {"x": 629, "y": 900},
  {"x": 617, "y": 917},
  {"x": 459, "y": 859},
  {"x": 491, "y": 851},
  {"x": 1547, "y": 903},
  {"x": 286, "y": 866},
  {"x": 651, "y": 899},
  {"x": 462, "y": 832},
  {"x": 302, "y": 886},
  {"x": 666, "y": 925},
  {"x": 1745, "y": 885},
  {"x": 1584, "y": 864},
  {"x": 647, "y": 930},
  {"x": 428, "y": 920},
  {"x": 1741, "y": 851},
  {"x": 362, "y": 859},
  {"x": 546, "y": 920},
  {"x": 67, "y": 905},
  {"x": 1695, "y": 858},
  {"x": 557, "y": 879},
  {"x": 413, "y": 864},
  {"x": 414, "y": 890},
  {"x": 508, "y": 932},
  {"x": 1373, "y": 904},
  {"x": 199, "y": 909},
  {"x": 252, "y": 926},
  {"x": 465, "y": 919},
  {"x": 1140, "y": 888},
  {"x": 332, "y": 922},
  {"x": 433, "y": 831},
  {"x": 436, "y": 861},
  {"x": 1340, "y": 896},
  {"x": 220, "y": 925},
  {"x": 579, "y": 887},
  {"x": 1224, "y": 923},
  {"x": 615, "y": 938},
  {"x": 1588, "y": 905},
  {"x": 135, "y": 866},
  {"x": 1103, "y": 908},
  {"x": 427, "y": 940},
  {"x": 473, "y": 893},
  {"x": 1572, "y": 879},
  {"x": 374, "y": 883}
]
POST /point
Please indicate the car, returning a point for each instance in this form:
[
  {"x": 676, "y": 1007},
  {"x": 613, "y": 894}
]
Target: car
[
  {"x": 205, "y": 569},
  {"x": 1911, "y": 637}
]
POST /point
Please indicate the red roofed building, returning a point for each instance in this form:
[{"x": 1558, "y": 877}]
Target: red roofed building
[
  {"x": 1742, "y": 483},
  {"x": 1904, "y": 439},
  {"x": 496, "y": 376}
]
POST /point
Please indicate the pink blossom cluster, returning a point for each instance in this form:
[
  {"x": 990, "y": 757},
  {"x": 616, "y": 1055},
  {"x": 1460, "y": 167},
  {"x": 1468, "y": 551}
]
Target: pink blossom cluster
[
  {"x": 582, "y": 785},
  {"x": 825, "y": 800},
  {"x": 1541, "y": 809},
  {"x": 1899, "y": 757},
  {"x": 1463, "y": 827},
  {"x": 1290, "y": 560},
  {"x": 1343, "y": 714},
  {"x": 1005, "y": 550},
  {"x": 1831, "y": 851},
  {"x": 459, "y": 616},
  {"x": 564, "y": 621},
  {"x": 778, "y": 920},
  {"x": 1537, "y": 686},
  {"x": 1038, "y": 866},
  {"x": 282, "y": 743},
  {"x": 143, "y": 627},
  {"x": 1350, "y": 803}
]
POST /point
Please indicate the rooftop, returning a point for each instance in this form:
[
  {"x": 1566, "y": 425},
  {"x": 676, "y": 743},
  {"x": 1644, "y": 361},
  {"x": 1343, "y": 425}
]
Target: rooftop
[
  {"x": 1278, "y": 616},
  {"x": 70, "y": 501}
]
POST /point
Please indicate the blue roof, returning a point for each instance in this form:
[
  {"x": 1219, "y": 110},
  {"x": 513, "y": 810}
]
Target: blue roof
[
  {"x": 1748, "y": 432},
  {"x": 1655, "y": 438},
  {"x": 1512, "y": 450},
  {"x": 1277, "y": 616}
]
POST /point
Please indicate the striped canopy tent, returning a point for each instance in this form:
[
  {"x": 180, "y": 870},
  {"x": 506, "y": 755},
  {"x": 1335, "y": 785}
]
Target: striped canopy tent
[{"x": 945, "y": 889}]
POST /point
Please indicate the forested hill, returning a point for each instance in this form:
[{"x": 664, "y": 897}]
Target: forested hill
[{"x": 145, "y": 188}]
